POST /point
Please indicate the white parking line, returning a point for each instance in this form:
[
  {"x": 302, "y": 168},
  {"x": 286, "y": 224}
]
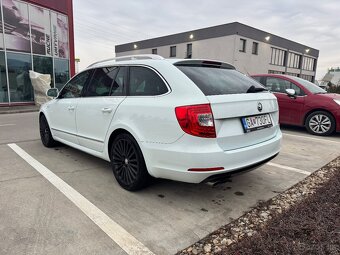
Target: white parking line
[
  {"x": 289, "y": 168},
  {"x": 6, "y": 125},
  {"x": 312, "y": 138},
  {"x": 119, "y": 235}
]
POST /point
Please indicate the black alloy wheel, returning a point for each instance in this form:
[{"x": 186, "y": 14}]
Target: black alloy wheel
[
  {"x": 45, "y": 133},
  {"x": 128, "y": 163}
]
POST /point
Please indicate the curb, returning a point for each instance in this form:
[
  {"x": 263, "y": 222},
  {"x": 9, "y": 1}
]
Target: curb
[{"x": 18, "y": 111}]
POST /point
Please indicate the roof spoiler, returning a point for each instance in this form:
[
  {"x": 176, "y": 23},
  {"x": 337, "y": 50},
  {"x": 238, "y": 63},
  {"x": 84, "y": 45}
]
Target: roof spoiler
[{"x": 205, "y": 63}]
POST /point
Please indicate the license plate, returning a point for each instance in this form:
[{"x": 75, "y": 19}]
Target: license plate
[{"x": 258, "y": 122}]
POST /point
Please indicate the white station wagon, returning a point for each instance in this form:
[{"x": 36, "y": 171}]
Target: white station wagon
[{"x": 185, "y": 120}]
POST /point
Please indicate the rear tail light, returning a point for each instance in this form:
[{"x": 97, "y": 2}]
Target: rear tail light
[{"x": 196, "y": 120}]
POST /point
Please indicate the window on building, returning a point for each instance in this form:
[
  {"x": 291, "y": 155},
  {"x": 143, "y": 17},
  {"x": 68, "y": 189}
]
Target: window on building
[
  {"x": 255, "y": 49},
  {"x": 20, "y": 85},
  {"x": 293, "y": 74},
  {"x": 75, "y": 86},
  {"x": 308, "y": 63},
  {"x": 307, "y": 77},
  {"x": 101, "y": 82},
  {"x": 294, "y": 60},
  {"x": 189, "y": 50},
  {"x": 3, "y": 79},
  {"x": 243, "y": 43},
  {"x": 277, "y": 57},
  {"x": 173, "y": 51},
  {"x": 275, "y": 72},
  {"x": 61, "y": 72},
  {"x": 145, "y": 82},
  {"x": 154, "y": 51},
  {"x": 44, "y": 65}
]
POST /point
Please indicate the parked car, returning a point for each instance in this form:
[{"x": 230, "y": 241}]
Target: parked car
[
  {"x": 303, "y": 103},
  {"x": 184, "y": 120}
]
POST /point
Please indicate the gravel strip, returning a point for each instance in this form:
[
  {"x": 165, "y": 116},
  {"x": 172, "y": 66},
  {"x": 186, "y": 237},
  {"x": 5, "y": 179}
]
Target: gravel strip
[{"x": 257, "y": 218}]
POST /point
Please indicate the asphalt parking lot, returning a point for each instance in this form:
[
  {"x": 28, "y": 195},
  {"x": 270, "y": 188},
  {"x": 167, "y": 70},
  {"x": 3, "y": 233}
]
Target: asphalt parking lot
[{"x": 37, "y": 218}]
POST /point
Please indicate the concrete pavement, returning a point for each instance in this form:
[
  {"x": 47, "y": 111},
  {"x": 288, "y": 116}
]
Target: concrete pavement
[{"x": 166, "y": 217}]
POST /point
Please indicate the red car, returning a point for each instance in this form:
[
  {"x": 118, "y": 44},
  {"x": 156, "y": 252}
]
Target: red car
[{"x": 303, "y": 103}]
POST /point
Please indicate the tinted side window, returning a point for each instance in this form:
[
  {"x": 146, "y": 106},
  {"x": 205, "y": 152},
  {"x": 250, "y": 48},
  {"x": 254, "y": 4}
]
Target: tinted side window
[
  {"x": 280, "y": 85},
  {"x": 219, "y": 81},
  {"x": 119, "y": 83},
  {"x": 145, "y": 82},
  {"x": 101, "y": 82},
  {"x": 75, "y": 86}
]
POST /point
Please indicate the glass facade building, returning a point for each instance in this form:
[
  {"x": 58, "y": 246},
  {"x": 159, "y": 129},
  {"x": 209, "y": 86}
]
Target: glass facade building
[{"x": 34, "y": 35}]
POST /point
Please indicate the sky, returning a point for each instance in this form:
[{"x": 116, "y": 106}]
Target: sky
[{"x": 100, "y": 25}]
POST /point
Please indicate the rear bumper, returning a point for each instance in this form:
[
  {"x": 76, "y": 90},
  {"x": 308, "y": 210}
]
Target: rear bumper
[
  {"x": 217, "y": 177},
  {"x": 172, "y": 161}
]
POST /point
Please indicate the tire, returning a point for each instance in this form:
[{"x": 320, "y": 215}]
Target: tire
[
  {"x": 128, "y": 163},
  {"x": 45, "y": 133},
  {"x": 320, "y": 123}
]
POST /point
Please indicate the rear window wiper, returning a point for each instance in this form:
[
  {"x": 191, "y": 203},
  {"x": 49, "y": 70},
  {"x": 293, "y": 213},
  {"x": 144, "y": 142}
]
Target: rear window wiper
[{"x": 253, "y": 89}]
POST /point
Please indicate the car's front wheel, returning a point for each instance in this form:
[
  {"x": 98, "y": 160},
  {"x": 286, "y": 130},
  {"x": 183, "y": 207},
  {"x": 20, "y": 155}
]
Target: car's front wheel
[
  {"x": 320, "y": 123},
  {"x": 128, "y": 163},
  {"x": 45, "y": 133}
]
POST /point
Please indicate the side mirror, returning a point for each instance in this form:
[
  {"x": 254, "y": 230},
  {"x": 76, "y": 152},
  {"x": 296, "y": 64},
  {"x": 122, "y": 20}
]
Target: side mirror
[
  {"x": 291, "y": 92},
  {"x": 54, "y": 92}
]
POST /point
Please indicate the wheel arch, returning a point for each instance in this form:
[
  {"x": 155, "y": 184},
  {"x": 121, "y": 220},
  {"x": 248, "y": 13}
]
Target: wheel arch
[
  {"x": 316, "y": 110},
  {"x": 113, "y": 135}
]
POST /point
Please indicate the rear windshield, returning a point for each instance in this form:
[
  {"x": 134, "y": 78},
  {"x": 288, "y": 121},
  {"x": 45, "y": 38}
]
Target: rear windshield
[{"x": 218, "y": 81}]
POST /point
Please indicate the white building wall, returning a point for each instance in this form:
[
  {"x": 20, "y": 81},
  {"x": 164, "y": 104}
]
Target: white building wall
[{"x": 226, "y": 49}]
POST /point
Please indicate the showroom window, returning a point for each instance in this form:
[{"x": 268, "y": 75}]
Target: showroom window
[
  {"x": 20, "y": 85},
  {"x": 145, "y": 82},
  {"x": 3, "y": 79},
  {"x": 44, "y": 65},
  {"x": 61, "y": 72},
  {"x": 243, "y": 43},
  {"x": 172, "y": 51},
  {"x": 101, "y": 82}
]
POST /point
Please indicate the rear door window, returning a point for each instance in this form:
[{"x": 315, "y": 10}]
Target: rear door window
[
  {"x": 219, "y": 81},
  {"x": 145, "y": 82},
  {"x": 119, "y": 83}
]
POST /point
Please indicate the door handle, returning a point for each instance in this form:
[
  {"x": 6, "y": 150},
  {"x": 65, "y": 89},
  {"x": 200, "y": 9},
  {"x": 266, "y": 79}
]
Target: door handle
[
  {"x": 106, "y": 109},
  {"x": 70, "y": 108}
]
